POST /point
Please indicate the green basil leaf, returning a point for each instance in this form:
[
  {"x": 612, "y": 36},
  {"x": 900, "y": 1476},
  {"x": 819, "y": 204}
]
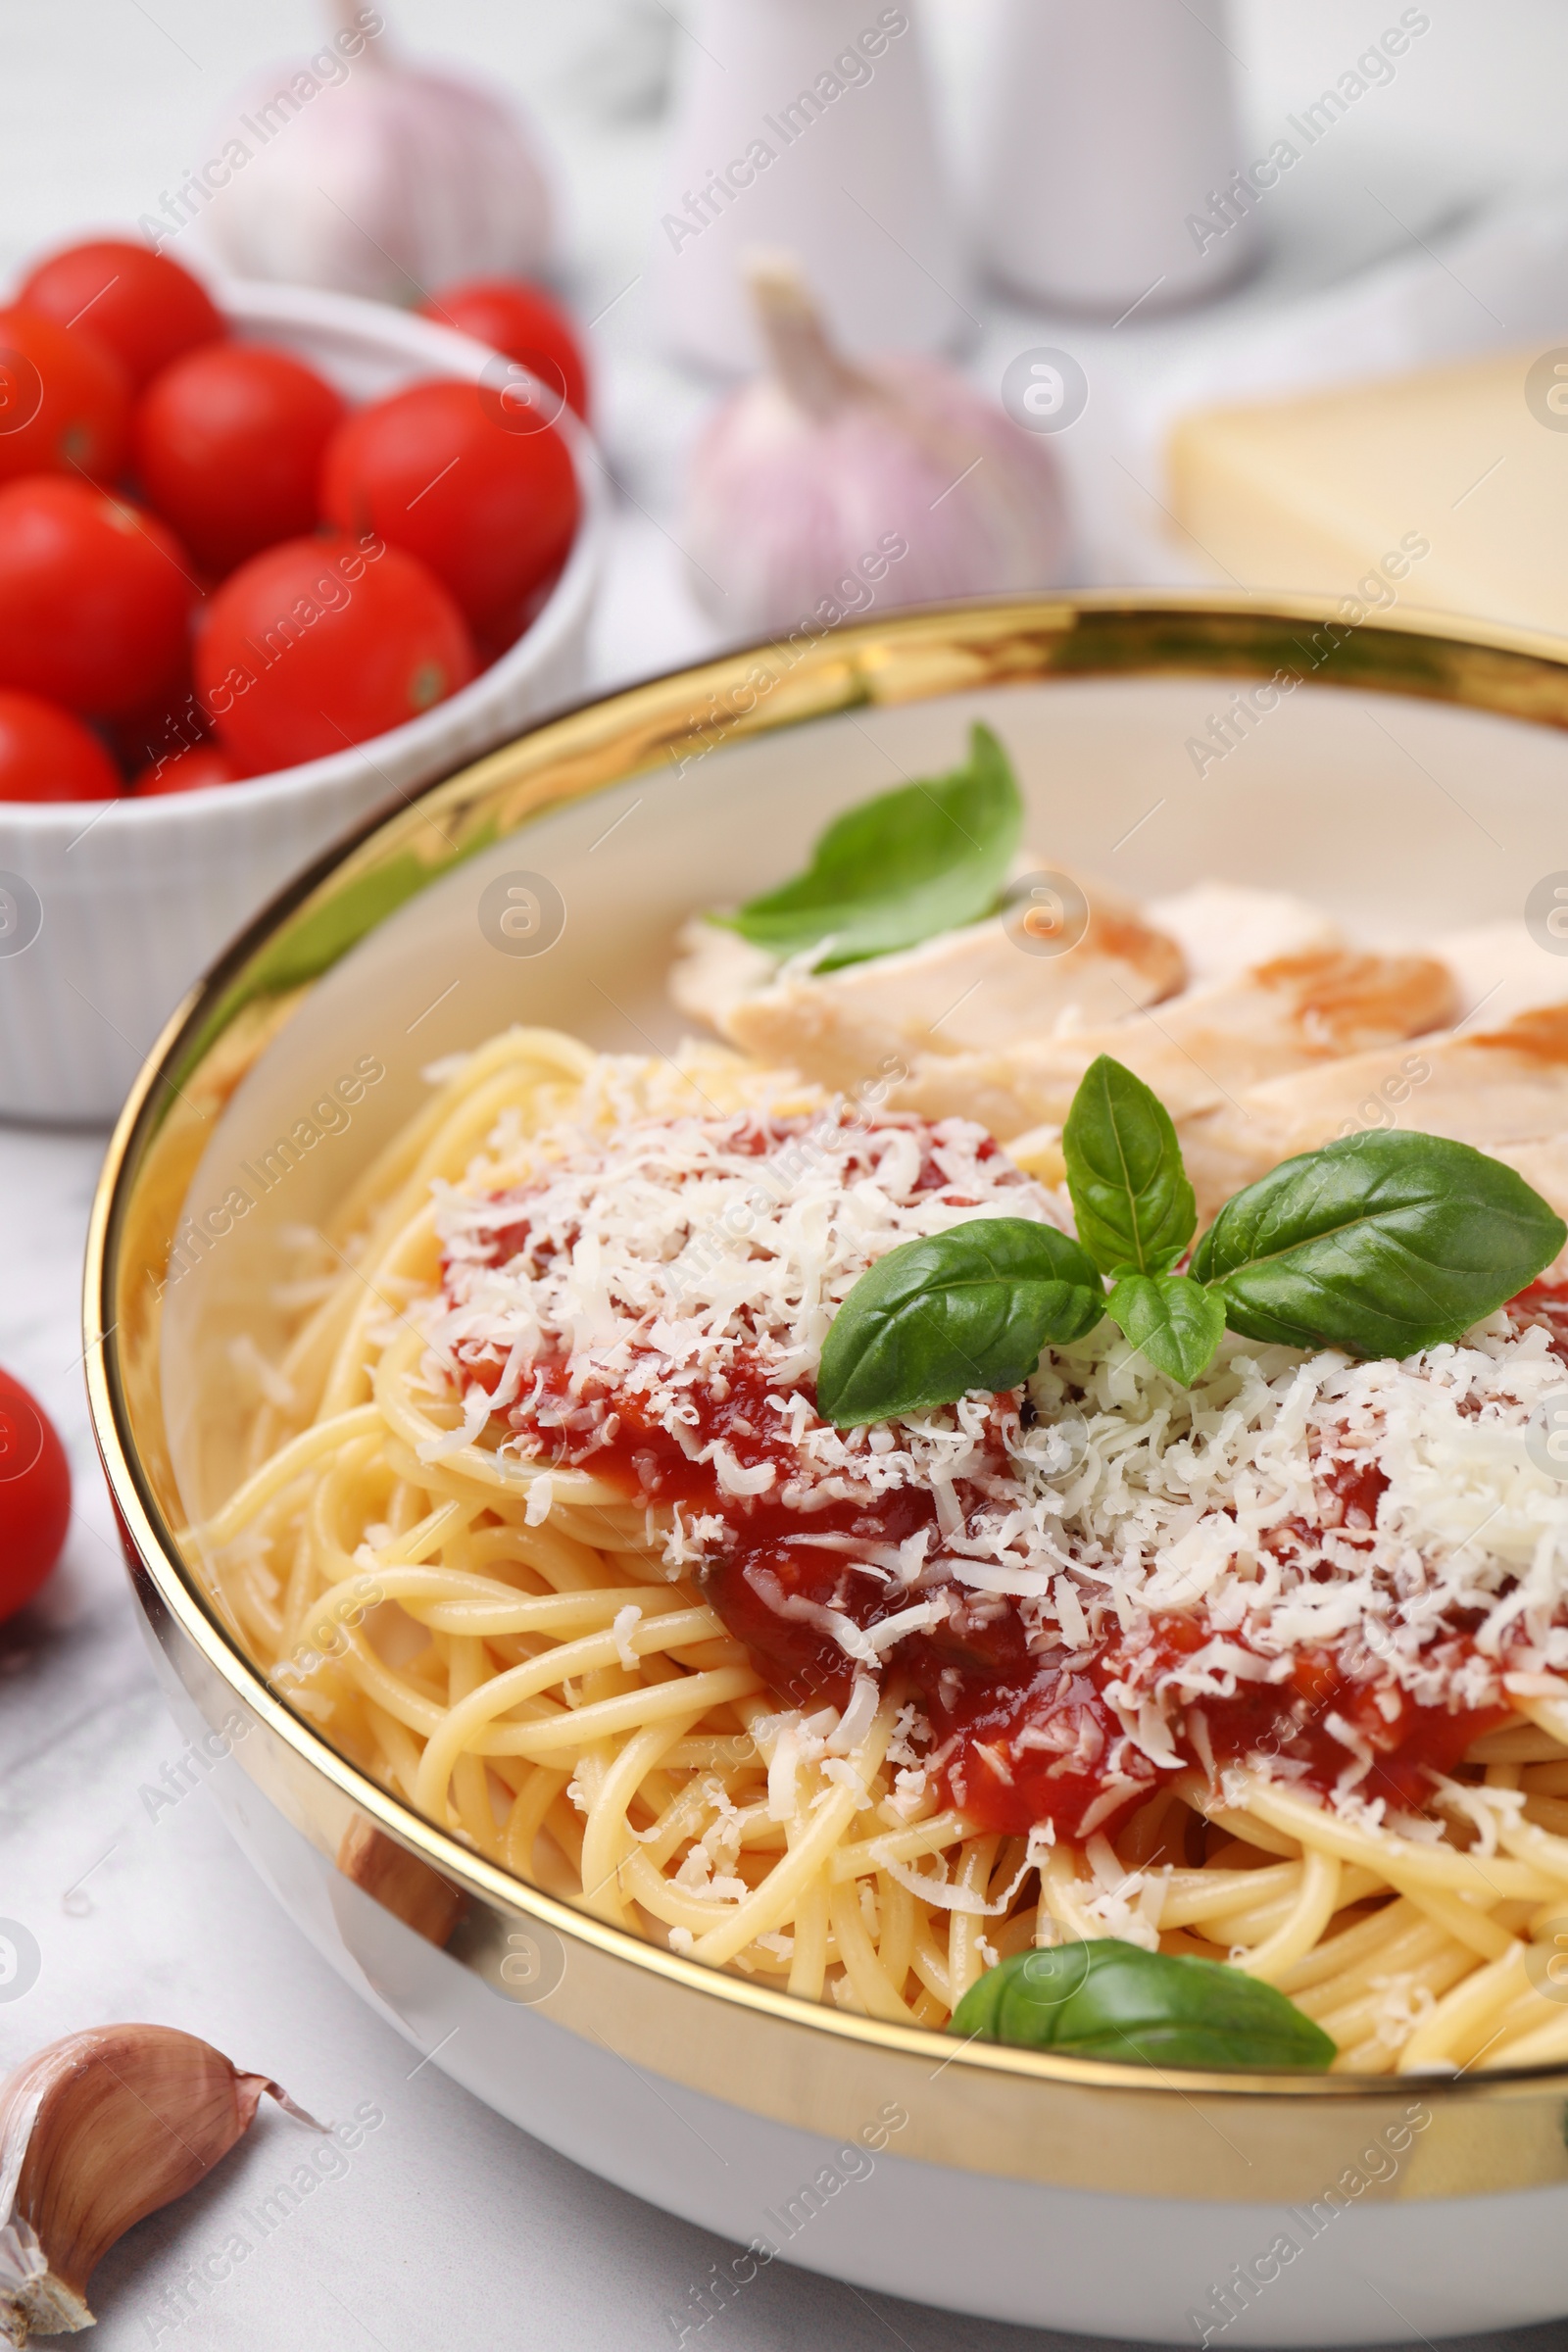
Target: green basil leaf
[
  {"x": 1380, "y": 1243},
  {"x": 1172, "y": 1319},
  {"x": 1130, "y": 1194},
  {"x": 970, "y": 1308},
  {"x": 1109, "y": 1999},
  {"x": 900, "y": 868}
]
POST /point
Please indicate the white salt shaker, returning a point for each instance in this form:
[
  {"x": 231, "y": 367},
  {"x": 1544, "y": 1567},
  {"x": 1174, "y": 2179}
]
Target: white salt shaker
[
  {"x": 805, "y": 125},
  {"x": 1113, "y": 172}
]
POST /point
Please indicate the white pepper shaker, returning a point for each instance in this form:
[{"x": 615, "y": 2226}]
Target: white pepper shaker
[
  {"x": 806, "y": 126},
  {"x": 1111, "y": 171}
]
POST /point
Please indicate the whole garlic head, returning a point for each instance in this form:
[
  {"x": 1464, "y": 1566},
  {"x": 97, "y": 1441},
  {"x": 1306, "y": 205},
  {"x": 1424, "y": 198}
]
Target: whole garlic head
[
  {"x": 820, "y": 478},
  {"x": 359, "y": 170}
]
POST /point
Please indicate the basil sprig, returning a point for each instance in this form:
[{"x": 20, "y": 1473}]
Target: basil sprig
[
  {"x": 1135, "y": 1214},
  {"x": 970, "y": 1308},
  {"x": 898, "y": 869},
  {"x": 1130, "y": 1194},
  {"x": 1172, "y": 1320},
  {"x": 1380, "y": 1245},
  {"x": 1108, "y": 1999}
]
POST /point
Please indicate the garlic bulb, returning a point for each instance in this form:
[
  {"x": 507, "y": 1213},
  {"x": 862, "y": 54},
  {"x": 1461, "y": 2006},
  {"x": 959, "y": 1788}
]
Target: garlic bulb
[
  {"x": 821, "y": 488},
  {"x": 359, "y": 170},
  {"x": 96, "y": 2132}
]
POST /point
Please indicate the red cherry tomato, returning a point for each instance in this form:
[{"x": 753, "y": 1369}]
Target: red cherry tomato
[
  {"x": 135, "y": 303},
  {"x": 442, "y": 472},
  {"x": 493, "y": 637},
  {"x": 65, "y": 405},
  {"x": 522, "y": 320},
  {"x": 46, "y": 755},
  {"x": 95, "y": 596},
  {"x": 324, "y": 642},
  {"x": 187, "y": 771},
  {"x": 34, "y": 1496},
  {"x": 159, "y": 728},
  {"x": 227, "y": 444}
]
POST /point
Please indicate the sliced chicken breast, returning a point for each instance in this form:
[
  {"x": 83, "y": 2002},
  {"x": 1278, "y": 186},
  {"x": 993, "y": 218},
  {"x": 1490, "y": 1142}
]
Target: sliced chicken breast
[
  {"x": 715, "y": 969},
  {"x": 1544, "y": 1165},
  {"x": 1201, "y": 1050},
  {"x": 962, "y": 990},
  {"x": 1501, "y": 970},
  {"x": 1493, "y": 1087},
  {"x": 1225, "y": 928}
]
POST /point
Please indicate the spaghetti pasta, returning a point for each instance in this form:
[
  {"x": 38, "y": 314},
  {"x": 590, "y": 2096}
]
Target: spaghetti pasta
[{"x": 513, "y": 1621}]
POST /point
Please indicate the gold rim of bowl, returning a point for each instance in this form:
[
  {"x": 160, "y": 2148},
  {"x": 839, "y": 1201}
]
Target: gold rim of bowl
[{"x": 980, "y": 2107}]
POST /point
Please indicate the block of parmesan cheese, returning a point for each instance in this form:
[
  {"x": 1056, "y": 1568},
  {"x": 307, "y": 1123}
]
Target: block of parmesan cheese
[{"x": 1446, "y": 490}]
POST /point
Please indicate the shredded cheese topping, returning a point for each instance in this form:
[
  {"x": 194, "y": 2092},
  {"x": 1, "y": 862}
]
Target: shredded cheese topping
[
  {"x": 668, "y": 1256},
  {"x": 1229, "y": 1496}
]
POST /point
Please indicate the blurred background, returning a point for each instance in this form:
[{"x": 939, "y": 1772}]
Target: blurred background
[{"x": 107, "y": 102}]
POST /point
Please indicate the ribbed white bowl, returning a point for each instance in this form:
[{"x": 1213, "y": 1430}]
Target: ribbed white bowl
[{"x": 137, "y": 897}]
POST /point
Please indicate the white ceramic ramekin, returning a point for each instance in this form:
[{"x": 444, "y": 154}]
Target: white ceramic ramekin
[{"x": 110, "y": 910}]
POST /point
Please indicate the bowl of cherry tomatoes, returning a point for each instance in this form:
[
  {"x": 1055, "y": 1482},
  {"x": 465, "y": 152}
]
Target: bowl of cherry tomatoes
[{"x": 270, "y": 558}]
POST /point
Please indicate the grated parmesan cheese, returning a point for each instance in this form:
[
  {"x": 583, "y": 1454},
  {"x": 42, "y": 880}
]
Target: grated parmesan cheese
[{"x": 666, "y": 1258}]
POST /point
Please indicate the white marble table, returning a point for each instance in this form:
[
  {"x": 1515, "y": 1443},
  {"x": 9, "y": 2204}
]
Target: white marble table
[{"x": 448, "y": 2227}]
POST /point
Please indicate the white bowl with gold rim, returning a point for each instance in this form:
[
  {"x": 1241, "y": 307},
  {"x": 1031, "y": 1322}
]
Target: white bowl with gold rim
[{"x": 1289, "y": 2210}]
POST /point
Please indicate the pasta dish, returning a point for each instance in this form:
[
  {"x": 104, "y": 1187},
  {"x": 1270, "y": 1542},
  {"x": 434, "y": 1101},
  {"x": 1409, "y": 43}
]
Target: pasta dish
[{"x": 722, "y": 1489}]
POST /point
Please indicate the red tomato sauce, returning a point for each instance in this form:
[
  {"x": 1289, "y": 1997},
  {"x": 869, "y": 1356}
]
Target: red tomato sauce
[
  {"x": 1020, "y": 1736},
  {"x": 1544, "y": 1306}
]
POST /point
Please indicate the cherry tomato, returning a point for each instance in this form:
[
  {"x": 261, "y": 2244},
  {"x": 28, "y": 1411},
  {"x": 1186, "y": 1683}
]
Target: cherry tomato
[
  {"x": 187, "y": 771},
  {"x": 34, "y": 1496},
  {"x": 46, "y": 755},
  {"x": 440, "y": 471},
  {"x": 95, "y": 596},
  {"x": 133, "y": 302},
  {"x": 159, "y": 728},
  {"x": 492, "y": 637},
  {"x": 325, "y": 642},
  {"x": 65, "y": 405},
  {"x": 227, "y": 444},
  {"x": 522, "y": 320}
]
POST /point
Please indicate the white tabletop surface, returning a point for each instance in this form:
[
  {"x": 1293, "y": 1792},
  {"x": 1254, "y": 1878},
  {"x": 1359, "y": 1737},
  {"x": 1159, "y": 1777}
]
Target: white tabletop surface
[{"x": 450, "y": 2226}]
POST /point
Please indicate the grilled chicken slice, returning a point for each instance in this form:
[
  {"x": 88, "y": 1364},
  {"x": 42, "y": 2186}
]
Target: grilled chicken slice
[
  {"x": 1199, "y": 1051},
  {"x": 962, "y": 990},
  {"x": 1499, "y": 1086},
  {"x": 715, "y": 969},
  {"x": 1225, "y": 928},
  {"x": 1222, "y": 928},
  {"x": 1544, "y": 1165},
  {"x": 1499, "y": 971}
]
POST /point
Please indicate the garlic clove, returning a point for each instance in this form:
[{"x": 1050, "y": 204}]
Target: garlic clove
[
  {"x": 96, "y": 2131},
  {"x": 823, "y": 489}
]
